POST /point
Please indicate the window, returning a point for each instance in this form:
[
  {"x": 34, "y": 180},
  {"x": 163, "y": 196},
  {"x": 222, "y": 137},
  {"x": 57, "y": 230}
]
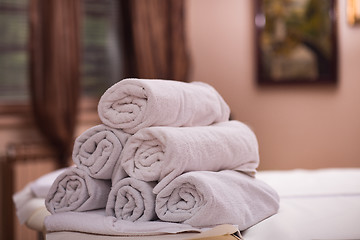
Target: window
[
  {"x": 13, "y": 50},
  {"x": 100, "y": 58}
]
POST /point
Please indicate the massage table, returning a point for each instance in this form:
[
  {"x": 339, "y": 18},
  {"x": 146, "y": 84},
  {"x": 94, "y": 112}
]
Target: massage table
[{"x": 314, "y": 204}]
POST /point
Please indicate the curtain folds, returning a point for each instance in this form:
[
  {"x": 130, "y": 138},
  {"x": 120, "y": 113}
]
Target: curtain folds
[
  {"x": 154, "y": 40},
  {"x": 154, "y": 46},
  {"x": 54, "y": 49}
]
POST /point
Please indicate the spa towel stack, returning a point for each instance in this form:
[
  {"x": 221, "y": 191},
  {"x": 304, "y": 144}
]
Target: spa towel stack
[
  {"x": 133, "y": 104},
  {"x": 171, "y": 154},
  {"x": 124, "y": 108}
]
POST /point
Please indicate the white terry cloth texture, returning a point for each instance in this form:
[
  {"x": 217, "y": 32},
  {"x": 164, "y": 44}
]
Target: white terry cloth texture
[
  {"x": 163, "y": 153},
  {"x": 132, "y": 200},
  {"x": 204, "y": 198},
  {"x": 75, "y": 190},
  {"x": 98, "y": 149},
  {"x": 132, "y": 104},
  {"x": 97, "y": 222}
]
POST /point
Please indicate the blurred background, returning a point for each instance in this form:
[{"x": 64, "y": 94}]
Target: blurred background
[{"x": 58, "y": 57}]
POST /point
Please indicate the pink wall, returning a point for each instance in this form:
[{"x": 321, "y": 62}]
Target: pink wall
[{"x": 297, "y": 126}]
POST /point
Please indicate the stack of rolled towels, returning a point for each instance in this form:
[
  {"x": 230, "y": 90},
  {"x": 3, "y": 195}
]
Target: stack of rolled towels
[{"x": 166, "y": 151}]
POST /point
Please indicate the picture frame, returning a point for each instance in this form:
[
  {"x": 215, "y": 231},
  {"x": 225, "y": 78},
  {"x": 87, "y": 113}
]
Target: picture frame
[
  {"x": 353, "y": 12},
  {"x": 296, "y": 41}
]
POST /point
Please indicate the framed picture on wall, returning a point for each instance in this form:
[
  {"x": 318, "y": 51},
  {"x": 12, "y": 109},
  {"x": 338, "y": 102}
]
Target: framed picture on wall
[
  {"x": 353, "y": 12},
  {"x": 296, "y": 41}
]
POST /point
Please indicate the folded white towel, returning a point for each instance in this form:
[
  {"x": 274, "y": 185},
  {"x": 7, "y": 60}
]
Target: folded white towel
[
  {"x": 98, "y": 149},
  {"x": 97, "y": 223},
  {"x": 131, "y": 199},
  {"x": 163, "y": 153},
  {"x": 132, "y": 104},
  {"x": 74, "y": 190},
  {"x": 204, "y": 198}
]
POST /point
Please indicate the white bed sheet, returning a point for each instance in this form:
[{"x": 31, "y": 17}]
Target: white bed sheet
[{"x": 315, "y": 204}]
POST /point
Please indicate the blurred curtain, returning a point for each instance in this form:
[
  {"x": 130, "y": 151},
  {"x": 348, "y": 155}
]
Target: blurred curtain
[
  {"x": 154, "y": 41},
  {"x": 55, "y": 70}
]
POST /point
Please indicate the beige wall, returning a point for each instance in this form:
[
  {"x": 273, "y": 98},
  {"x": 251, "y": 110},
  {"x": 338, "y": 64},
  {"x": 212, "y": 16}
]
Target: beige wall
[{"x": 297, "y": 126}]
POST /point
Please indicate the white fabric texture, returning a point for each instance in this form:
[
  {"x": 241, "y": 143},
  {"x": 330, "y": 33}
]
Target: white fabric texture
[
  {"x": 315, "y": 204},
  {"x": 132, "y": 200},
  {"x": 317, "y": 182},
  {"x": 98, "y": 223},
  {"x": 98, "y": 149},
  {"x": 218, "y": 232},
  {"x": 132, "y": 104},
  {"x": 75, "y": 190},
  {"x": 205, "y": 199},
  {"x": 163, "y": 153},
  {"x": 26, "y": 203},
  {"x": 40, "y": 187}
]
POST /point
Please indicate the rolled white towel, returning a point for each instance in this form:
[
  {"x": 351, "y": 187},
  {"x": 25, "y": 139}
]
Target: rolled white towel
[
  {"x": 98, "y": 149},
  {"x": 131, "y": 199},
  {"x": 75, "y": 190},
  {"x": 204, "y": 198},
  {"x": 163, "y": 153},
  {"x": 132, "y": 104}
]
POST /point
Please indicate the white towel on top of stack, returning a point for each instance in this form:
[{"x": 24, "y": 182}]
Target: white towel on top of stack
[
  {"x": 163, "y": 153},
  {"x": 132, "y": 104}
]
